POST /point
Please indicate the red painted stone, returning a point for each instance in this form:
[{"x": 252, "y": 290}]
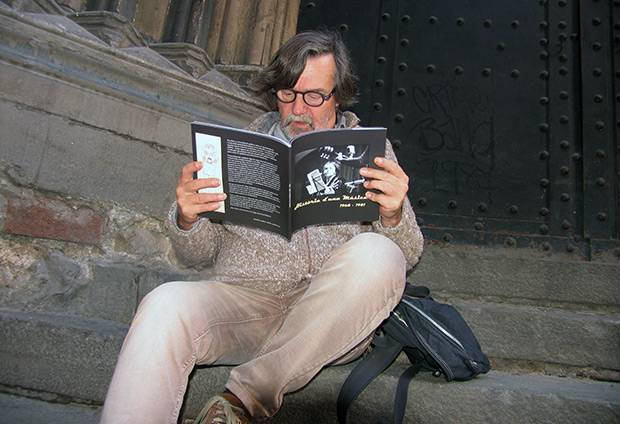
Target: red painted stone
[{"x": 52, "y": 220}]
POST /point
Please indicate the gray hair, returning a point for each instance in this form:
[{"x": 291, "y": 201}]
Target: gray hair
[{"x": 288, "y": 63}]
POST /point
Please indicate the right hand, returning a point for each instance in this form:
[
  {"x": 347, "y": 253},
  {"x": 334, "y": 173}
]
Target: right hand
[{"x": 190, "y": 203}]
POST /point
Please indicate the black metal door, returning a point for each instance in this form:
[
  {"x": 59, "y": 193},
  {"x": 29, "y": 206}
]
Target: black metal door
[{"x": 503, "y": 113}]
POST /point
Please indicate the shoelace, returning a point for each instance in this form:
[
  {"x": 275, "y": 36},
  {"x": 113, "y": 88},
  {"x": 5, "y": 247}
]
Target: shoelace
[{"x": 224, "y": 414}]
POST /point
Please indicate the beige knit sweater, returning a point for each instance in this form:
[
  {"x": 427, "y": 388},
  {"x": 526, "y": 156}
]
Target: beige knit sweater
[{"x": 268, "y": 262}]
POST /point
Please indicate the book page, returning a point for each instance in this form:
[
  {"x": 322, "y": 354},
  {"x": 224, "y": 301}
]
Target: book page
[
  {"x": 327, "y": 185},
  {"x": 253, "y": 169},
  {"x": 253, "y": 178}
]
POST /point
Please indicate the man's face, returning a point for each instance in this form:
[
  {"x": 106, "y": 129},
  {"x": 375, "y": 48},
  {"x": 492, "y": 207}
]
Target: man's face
[
  {"x": 329, "y": 169},
  {"x": 298, "y": 117}
]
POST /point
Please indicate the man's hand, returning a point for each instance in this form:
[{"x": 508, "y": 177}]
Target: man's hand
[
  {"x": 393, "y": 184},
  {"x": 190, "y": 202}
]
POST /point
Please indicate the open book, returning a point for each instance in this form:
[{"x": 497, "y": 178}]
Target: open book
[{"x": 283, "y": 186}]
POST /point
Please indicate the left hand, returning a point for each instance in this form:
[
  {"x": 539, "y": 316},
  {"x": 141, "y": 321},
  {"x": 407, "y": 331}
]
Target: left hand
[{"x": 393, "y": 184}]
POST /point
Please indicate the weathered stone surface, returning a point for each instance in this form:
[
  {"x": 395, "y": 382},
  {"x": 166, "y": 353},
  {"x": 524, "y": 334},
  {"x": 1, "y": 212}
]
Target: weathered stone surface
[
  {"x": 49, "y": 284},
  {"x": 111, "y": 293},
  {"x": 115, "y": 290},
  {"x": 54, "y": 220},
  {"x": 188, "y": 57},
  {"x": 152, "y": 278},
  {"x": 21, "y": 159},
  {"x": 111, "y": 28},
  {"x": 43, "y": 6},
  {"x": 68, "y": 63},
  {"x": 85, "y": 162},
  {"x": 58, "y": 354},
  {"x": 575, "y": 284},
  {"x": 19, "y": 409},
  {"x": 76, "y": 358},
  {"x": 525, "y": 333}
]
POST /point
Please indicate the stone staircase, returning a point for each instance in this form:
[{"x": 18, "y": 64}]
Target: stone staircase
[{"x": 554, "y": 362}]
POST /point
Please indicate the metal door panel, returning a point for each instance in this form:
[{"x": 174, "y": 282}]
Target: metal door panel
[{"x": 504, "y": 115}]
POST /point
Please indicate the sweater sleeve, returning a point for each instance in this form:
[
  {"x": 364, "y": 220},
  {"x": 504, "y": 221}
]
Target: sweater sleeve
[
  {"x": 407, "y": 234},
  {"x": 197, "y": 247}
]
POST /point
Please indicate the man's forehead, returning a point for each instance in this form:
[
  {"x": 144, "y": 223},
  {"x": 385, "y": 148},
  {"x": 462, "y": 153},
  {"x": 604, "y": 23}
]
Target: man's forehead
[{"x": 318, "y": 73}]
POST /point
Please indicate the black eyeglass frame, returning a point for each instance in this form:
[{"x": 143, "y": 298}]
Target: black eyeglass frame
[{"x": 324, "y": 97}]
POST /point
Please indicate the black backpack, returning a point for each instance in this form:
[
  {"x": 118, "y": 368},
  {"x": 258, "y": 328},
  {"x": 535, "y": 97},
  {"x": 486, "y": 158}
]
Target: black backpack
[{"x": 434, "y": 336}]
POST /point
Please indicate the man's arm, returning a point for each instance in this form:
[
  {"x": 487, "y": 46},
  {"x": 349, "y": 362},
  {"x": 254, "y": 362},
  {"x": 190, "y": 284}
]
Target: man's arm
[{"x": 397, "y": 219}]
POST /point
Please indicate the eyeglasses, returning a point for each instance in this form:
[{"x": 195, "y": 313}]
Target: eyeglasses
[{"x": 312, "y": 98}]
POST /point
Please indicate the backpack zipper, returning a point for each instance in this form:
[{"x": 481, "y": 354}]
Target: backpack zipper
[{"x": 445, "y": 332}]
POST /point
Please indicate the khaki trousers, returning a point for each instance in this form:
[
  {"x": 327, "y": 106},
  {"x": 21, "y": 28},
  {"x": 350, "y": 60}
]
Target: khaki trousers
[{"x": 279, "y": 342}]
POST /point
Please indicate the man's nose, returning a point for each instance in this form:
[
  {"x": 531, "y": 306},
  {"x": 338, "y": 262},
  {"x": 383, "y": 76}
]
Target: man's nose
[{"x": 299, "y": 106}]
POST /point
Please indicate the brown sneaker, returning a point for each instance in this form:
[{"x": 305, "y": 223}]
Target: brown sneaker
[{"x": 220, "y": 410}]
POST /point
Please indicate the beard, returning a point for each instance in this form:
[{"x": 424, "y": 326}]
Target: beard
[{"x": 291, "y": 131}]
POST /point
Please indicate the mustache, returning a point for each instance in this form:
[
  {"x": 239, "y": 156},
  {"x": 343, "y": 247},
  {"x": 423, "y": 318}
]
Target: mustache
[{"x": 299, "y": 118}]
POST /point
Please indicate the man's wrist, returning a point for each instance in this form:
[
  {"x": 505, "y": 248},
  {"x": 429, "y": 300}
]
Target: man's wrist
[
  {"x": 184, "y": 225},
  {"x": 390, "y": 222}
]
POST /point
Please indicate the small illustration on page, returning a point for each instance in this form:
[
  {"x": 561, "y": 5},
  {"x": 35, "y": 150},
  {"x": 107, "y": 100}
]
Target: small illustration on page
[{"x": 209, "y": 149}]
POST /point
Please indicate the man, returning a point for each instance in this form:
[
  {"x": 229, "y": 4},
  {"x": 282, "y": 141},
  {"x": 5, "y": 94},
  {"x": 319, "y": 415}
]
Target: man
[
  {"x": 280, "y": 310},
  {"x": 332, "y": 181}
]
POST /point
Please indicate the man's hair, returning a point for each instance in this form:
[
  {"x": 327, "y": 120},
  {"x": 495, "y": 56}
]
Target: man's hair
[{"x": 290, "y": 60}]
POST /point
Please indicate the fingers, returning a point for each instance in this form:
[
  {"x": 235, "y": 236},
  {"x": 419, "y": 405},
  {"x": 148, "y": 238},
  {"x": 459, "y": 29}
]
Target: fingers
[
  {"x": 190, "y": 201},
  {"x": 391, "y": 180},
  {"x": 187, "y": 173},
  {"x": 392, "y": 184},
  {"x": 389, "y": 167}
]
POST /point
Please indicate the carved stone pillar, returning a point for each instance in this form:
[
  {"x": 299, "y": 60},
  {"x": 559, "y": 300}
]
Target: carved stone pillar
[
  {"x": 238, "y": 35},
  {"x": 232, "y": 32},
  {"x": 249, "y": 33}
]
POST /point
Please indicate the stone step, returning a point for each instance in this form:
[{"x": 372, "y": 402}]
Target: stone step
[
  {"x": 496, "y": 397},
  {"x": 492, "y": 398},
  {"x": 585, "y": 342},
  {"x": 74, "y": 358},
  {"x": 554, "y": 341},
  {"x": 65, "y": 355},
  {"x": 470, "y": 273},
  {"x": 22, "y": 409},
  {"x": 556, "y": 335}
]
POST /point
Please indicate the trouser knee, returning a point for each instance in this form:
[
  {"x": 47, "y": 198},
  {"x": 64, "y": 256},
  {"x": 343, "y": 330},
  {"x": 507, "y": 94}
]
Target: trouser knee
[
  {"x": 376, "y": 251},
  {"x": 376, "y": 262},
  {"x": 168, "y": 304}
]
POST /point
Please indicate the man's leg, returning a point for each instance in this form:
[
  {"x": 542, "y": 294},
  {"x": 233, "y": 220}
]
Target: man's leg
[
  {"x": 176, "y": 326},
  {"x": 346, "y": 301}
]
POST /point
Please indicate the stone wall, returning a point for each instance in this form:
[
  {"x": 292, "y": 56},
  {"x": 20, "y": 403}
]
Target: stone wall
[{"x": 95, "y": 129}]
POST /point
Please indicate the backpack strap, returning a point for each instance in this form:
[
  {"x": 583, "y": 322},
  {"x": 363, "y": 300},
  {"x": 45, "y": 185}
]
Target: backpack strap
[
  {"x": 384, "y": 352},
  {"x": 417, "y": 291},
  {"x": 400, "y": 402}
]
